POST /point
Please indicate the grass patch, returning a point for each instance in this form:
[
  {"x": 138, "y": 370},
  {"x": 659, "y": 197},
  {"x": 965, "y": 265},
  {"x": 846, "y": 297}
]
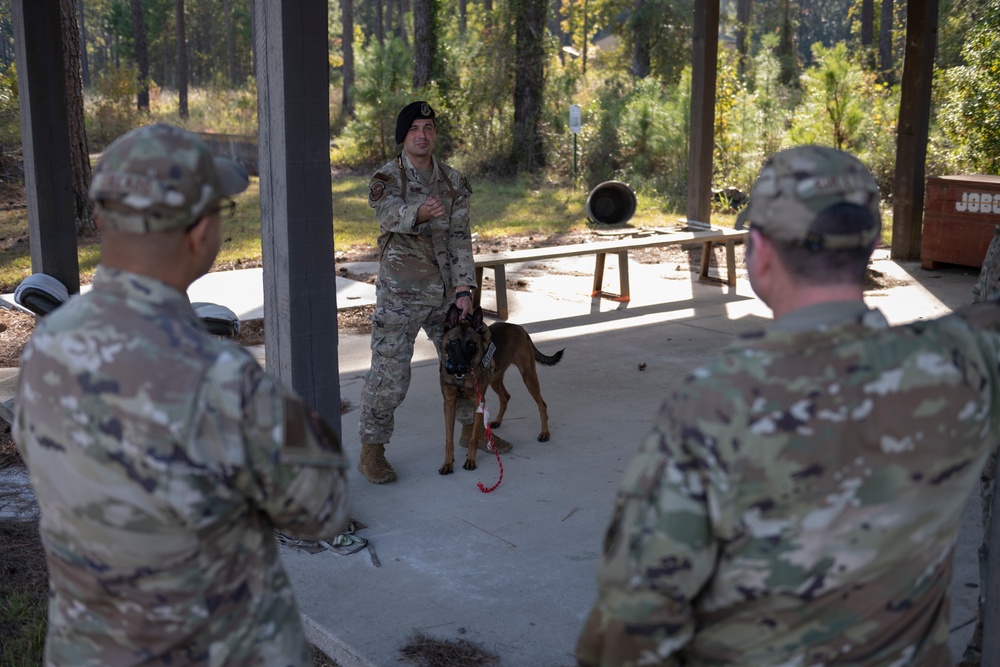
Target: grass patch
[
  {"x": 23, "y": 594},
  {"x": 499, "y": 209}
]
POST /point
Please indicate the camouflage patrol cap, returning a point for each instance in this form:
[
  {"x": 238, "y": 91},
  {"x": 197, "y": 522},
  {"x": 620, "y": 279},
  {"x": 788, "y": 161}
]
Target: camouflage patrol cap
[
  {"x": 797, "y": 184},
  {"x": 410, "y": 113},
  {"x": 160, "y": 177}
]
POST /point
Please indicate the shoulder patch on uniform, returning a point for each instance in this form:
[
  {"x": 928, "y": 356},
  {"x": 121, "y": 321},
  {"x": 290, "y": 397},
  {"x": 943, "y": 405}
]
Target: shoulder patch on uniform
[
  {"x": 375, "y": 190},
  {"x": 382, "y": 177}
]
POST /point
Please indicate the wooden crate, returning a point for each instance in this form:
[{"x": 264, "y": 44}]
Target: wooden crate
[{"x": 959, "y": 217}]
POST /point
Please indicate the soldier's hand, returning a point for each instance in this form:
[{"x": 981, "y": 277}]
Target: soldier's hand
[
  {"x": 430, "y": 209},
  {"x": 463, "y": 300}
]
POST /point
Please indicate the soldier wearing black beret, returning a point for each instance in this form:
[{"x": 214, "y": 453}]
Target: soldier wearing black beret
[{"x": 426, "y": 265}]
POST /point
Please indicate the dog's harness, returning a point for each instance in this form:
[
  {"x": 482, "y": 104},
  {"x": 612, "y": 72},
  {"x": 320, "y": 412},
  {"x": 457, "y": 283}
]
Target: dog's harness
[{"x": 488, "y": 356}]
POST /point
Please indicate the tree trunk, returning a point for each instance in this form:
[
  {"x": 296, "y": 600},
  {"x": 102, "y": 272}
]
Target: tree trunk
[
  {"x": 182, "y": 65},
  {"x": 743, "y": 10},
  {"x": 424, "y": 42},
  {"x": 230, "y": 48},
  {"x": 786, "y": 47},
  {"x": 379, "y": 22},
  {"x": 347, "y": 19},
  {"x": 867, "y": 22},
  {"x": 141, "y": 54},
  {"x": 401, "y": 21},
  {"x": 885, "y": 42},
  {"x": 463, "y": 17},
  {"x": 79, "y": 152},
  {"x": 84, "y": 64},
  {"x": 640, "y": 47},
  {"x": 529, "y": 83},
  {"x": 253, "y": 37}
]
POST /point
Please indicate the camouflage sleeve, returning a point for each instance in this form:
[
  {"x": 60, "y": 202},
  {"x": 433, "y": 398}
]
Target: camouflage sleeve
[
  {"x": 463, "y": 271},
  {"x": 385, "y": 196},
  {"x": 292, "y": 466},
  {"x": 659, "y": 551}
]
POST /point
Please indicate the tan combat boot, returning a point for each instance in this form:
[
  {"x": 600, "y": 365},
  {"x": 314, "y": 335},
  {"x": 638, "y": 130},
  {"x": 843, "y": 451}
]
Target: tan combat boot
[
  {"x": 374, "y": 466},
  {"x": 503, "y": 446}
]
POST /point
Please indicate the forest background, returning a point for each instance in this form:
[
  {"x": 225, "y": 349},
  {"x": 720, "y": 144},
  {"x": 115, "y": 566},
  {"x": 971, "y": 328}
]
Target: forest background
[{"x": 502, "y": 75}]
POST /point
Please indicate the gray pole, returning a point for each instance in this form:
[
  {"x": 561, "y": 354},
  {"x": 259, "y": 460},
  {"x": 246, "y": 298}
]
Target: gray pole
[
  {"x": 48, "y": 166},
  {"x": 300, "y": 285}
]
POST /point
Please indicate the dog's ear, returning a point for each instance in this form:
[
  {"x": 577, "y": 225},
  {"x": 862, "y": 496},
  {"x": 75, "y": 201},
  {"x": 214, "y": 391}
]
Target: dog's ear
[
  {"x": 477, "y": 318},
  {"x": 451, "y": 319}
]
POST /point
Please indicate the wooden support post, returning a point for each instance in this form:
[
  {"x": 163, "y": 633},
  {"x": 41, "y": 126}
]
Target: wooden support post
[
  {"x": 912, "y": 129},
  {"x": 300, "y": 282},
  {"x": 703, "y": 76},
  {"x": 48, "y": 167}
]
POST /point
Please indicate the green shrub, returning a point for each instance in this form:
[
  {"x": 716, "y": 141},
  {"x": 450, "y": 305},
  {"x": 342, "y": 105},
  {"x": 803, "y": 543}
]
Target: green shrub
[
  {"x": 844, "y": 106},
  {"x": 111, "y": 109},
  {"x": 751, "y": 119},
  {"x": 384, "y": 77},
  {"x": 10, "y": 112},
  {"x": 969, "y": 117}
]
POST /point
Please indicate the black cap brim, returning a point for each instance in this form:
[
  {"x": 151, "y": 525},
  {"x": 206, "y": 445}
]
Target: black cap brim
[{"x": 233, "y": 178}]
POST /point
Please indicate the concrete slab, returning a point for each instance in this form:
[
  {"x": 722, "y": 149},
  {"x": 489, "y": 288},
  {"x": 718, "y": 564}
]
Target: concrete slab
[
  {"x": 242, "y": 291},
  {"x": 514, "y": 570}
]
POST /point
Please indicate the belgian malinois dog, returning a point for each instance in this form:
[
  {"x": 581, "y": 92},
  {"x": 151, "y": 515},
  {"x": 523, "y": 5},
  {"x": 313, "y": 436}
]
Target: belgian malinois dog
[{"x": 476, "y": 356}]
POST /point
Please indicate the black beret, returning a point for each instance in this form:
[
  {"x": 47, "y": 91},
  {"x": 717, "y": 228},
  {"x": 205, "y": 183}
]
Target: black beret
[{"x": 410, "y": 113}]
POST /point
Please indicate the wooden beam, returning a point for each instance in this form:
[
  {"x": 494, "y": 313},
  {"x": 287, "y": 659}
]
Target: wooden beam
[
  {"x": 300, "y": 282},
  {"x": 703, "y": 75},
  {"x": 912, "y": 129},
  {"x": 48, "y": 166}
]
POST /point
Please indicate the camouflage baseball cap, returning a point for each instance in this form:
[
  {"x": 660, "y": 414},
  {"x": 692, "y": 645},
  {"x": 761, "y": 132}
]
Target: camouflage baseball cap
[
  {"x": 797, "y": 184},
  {"x": 161, "y": 177}
]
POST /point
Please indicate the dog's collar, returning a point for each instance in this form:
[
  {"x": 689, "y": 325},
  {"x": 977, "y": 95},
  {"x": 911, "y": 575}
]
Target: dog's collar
[{"x": 490, "y": 351}]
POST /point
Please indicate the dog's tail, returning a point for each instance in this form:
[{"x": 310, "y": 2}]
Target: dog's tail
[{"x": 545, "y": 359}]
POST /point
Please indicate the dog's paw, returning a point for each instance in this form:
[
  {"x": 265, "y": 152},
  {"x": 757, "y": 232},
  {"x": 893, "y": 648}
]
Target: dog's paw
[
  {"x": 543, "y": 436},
  {"x": 495, "y": 424},
  {"x": 469, "y": 465},
  {"x": 446, "y": 469}
]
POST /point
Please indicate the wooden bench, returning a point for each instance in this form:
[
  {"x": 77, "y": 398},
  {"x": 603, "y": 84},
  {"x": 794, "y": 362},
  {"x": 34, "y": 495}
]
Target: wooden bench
[{"x": 708, "y": 238}]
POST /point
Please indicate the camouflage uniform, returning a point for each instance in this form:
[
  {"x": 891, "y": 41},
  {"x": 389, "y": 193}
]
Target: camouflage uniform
[
  {"x": 419, "y": 267},
  {"x": 163, "y": 458},
  {"x": 986, "y": 288},
  {"x": 798, "y": 499}
]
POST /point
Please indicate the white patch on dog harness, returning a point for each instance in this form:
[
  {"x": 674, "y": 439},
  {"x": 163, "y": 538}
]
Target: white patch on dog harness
[{"x": 490, "y": 351}]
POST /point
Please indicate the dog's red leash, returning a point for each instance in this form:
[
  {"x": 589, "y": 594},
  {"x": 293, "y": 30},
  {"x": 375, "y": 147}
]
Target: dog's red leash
[{"x": 489, "y": 436}]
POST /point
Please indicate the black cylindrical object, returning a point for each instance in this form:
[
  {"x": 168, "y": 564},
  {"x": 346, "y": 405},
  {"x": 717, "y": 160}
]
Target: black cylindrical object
[{"x": 611, "y": 203}]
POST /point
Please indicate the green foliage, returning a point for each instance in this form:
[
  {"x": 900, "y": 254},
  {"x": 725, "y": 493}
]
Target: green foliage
[
  {"x": 832, "y": 112},
  {"x": 602, "y": 158},
  {"x": 10, "y": 113},
  {"x": 217, "y": 109},
  {"x": 382, "y": 84},
  {"x": 970, "y": 116},
  {"x": 845, "y": 107},
  {"x": 639, "y": 134},
  {"x": 27, "y": 613},
  {"x": 111, "y": 110},
  {"x": 752, "y": 116}
]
